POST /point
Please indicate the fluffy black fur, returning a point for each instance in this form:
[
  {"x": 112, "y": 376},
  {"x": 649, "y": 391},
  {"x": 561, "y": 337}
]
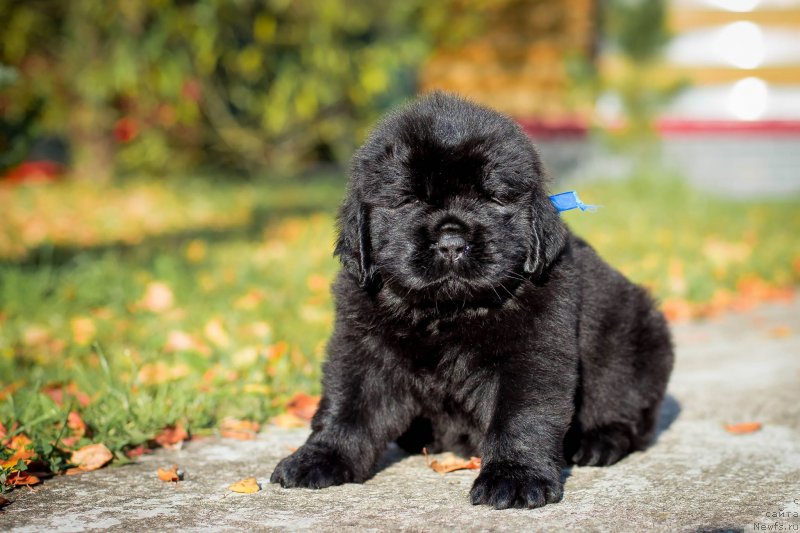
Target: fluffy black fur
[{"x": 469, "y": 318}]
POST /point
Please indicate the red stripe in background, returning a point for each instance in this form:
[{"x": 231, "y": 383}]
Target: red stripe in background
[
  {"x": 553, "y": 129},
  {"x": 667, "y": 127}
]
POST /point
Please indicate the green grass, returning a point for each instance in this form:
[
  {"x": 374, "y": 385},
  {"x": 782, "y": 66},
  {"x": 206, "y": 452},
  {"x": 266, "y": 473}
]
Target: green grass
[
  {"x": 685, "y": 244},
  {"x": 248, "y": 267},
  {"x": 262, "y": 274}
]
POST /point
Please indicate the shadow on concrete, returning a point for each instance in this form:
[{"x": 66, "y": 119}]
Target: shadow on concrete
[
  {"x": 670, "y": 411},
  {"x": 393, "y": 454}
]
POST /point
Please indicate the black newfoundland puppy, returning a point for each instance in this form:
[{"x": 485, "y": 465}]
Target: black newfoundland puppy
[{"x": 469, "y": 318}]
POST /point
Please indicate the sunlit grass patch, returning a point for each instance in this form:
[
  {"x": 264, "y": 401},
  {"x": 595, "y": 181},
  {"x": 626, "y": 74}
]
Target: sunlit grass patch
[
  {"x": 691, "y": 246},
  {"x": 82, "y": 214},
  {"x": 188, "y": 329}
]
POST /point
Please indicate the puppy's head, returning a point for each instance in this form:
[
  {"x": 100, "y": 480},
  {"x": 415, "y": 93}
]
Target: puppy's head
[{"x": 447, "y": 201}]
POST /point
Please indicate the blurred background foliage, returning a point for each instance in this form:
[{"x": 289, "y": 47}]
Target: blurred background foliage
[
  {"x": 155, "y": 85},
  {"x": 632, "y": 68}
]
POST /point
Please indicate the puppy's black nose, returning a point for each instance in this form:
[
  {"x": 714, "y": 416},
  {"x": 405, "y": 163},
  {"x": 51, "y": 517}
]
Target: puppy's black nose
[{"x": 451, "y": 246}]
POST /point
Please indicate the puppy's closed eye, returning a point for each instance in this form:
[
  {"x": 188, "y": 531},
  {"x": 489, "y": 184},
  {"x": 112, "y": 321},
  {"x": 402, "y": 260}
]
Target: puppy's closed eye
[{"x": 406, "y": 201}]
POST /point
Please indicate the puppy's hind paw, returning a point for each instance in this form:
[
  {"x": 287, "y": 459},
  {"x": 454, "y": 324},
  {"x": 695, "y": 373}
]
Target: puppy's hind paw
[
  {"x": 507, "y": 485},
  {"x": 604, "y": 446},
  {"x": 313, "y": 468}
]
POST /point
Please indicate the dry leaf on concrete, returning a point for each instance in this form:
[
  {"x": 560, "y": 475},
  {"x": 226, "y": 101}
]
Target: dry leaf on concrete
[
  {"x": 743, "y": 428},
  {"x": 22, "y": 478},
  {"x": 91, "y": 457},
  {"x": 173, "y": 474},
  {"x": 246, "y": 486},
  {"x": 780, "y": 332},
  {"x": 450, "y": 463}
]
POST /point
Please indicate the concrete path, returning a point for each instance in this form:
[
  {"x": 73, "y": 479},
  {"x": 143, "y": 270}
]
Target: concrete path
[{"x": 697, "y": 477}]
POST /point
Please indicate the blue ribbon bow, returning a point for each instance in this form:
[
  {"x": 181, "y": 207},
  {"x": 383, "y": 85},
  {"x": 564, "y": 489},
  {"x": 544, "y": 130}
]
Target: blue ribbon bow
[{"x": 564, "y": 201}]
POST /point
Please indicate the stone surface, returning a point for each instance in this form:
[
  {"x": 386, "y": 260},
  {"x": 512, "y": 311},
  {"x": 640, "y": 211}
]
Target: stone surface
[{"x": 742, "y": 367}]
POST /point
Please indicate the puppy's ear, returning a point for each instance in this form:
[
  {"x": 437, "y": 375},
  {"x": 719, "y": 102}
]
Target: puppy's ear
[
  {"x": 548, "y": 237},
  {"x": 353, "y": 243}
]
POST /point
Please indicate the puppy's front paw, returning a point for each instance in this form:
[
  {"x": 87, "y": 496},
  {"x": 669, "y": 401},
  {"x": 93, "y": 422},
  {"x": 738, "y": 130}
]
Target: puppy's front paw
[
  {"x": 311, "y": 467},
  {"x": 505, "y": 485}
]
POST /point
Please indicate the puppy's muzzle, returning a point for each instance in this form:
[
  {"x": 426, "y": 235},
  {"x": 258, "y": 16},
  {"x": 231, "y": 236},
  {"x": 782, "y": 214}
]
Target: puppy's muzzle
[{"x": 452, "y": 247}]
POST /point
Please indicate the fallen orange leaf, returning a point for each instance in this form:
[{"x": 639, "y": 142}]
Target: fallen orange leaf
[
  {"x": 261, "y": 330},
  {"x": 83, "y": 330},
  {"x": 76, "y": 423},
  {"x": 172, "y": 475},
  {"x": 218, "y": 373},
  {"x": 136, "y": 452},
  {"x": 216, "y": 333},
  {"x": 676, "y": 309},
  {"x": 288, "y": 420},
  {"x": 160, "y": 372},
  {"x": 743, "y": 428},
  {"x": 8, "y": 390},
  {"x": 70, "y": 442},
  {"x": 60, "y": 394},
  {"x": 246, "y": 486},
  {"x": 317, "y": 282},
  {"x": 35, "y": 335},
  {"x": 277, "y": 350},
  {"x": 239, "y": 429},
  {"x": 78, "y": 427},
  {"x": 91, "y": 457},
  {"x": 180, "y": 341},
  {"x": 22, "y": 447},
  {"x": 245, "y": 357},
  {"x": 250, "y": 300},
  {"x": 780, "y": 332},
  {"x": 103, "y": 313},
  {"x": 303, "y": 405},
  {"x": 172, "y": 437},
  {"x": 451, "y": 463},
  {"x": 22, "y": 478},
  {"x": 157, "y": 297},
  {"x": 196, "y": 251}
]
